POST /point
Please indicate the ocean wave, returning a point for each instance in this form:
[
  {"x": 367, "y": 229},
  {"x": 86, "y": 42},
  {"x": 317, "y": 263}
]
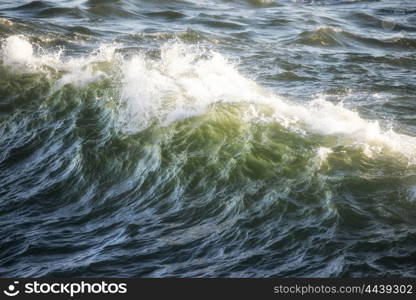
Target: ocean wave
[
  {"x": 186, "y": 80},
  {"x": 329, "y": 36}
]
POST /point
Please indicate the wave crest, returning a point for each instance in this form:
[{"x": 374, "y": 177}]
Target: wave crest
[{"x": 186, "y": 80}]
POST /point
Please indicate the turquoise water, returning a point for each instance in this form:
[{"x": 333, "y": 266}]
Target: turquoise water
[{"x": 207, "y": 138}]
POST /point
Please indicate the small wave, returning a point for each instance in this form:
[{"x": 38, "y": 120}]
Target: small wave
[
  {"x": 328, "y": 36},
  {"x": 188, "y": 36},
  {"x": 323, "y": 36},
  {"x": 73, "y": 12},
  {"x": 33, "y": 5},
  {"x": 165, "y": 14},
  {"x": 5, "y": 22}
]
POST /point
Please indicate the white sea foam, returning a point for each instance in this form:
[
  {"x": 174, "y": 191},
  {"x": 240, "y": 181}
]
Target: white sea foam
[
  {"x": 19, "y": 53},
  {"x": 181, "y": 84},
  {"x": 16, "y": 49},
  {"x": 186, "y": 80}
]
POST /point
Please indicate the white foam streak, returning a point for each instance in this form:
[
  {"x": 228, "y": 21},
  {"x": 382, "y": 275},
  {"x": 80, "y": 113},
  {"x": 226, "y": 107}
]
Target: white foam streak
[
  {"x": 322, "y": 155},
  {"x": 325, "y": 118}
]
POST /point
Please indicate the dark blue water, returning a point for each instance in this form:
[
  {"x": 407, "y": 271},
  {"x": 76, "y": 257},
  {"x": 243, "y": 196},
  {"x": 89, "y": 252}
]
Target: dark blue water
[{"x": 211, "y": 138}]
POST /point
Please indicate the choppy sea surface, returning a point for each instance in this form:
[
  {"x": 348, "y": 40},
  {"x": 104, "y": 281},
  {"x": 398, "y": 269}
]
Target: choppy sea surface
[{"x": 212, "y": 138}]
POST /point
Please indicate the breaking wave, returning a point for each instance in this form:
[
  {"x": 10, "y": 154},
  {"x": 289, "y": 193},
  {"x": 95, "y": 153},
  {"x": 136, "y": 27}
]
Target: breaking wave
[{"x": 185, "y": 81}]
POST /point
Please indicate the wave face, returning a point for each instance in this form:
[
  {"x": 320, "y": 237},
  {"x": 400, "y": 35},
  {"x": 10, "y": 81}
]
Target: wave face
[{"x": 186, "y": 139}]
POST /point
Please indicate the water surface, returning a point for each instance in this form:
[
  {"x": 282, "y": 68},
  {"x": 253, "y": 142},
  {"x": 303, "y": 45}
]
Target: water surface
[{"x": 211, "y": 138}]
